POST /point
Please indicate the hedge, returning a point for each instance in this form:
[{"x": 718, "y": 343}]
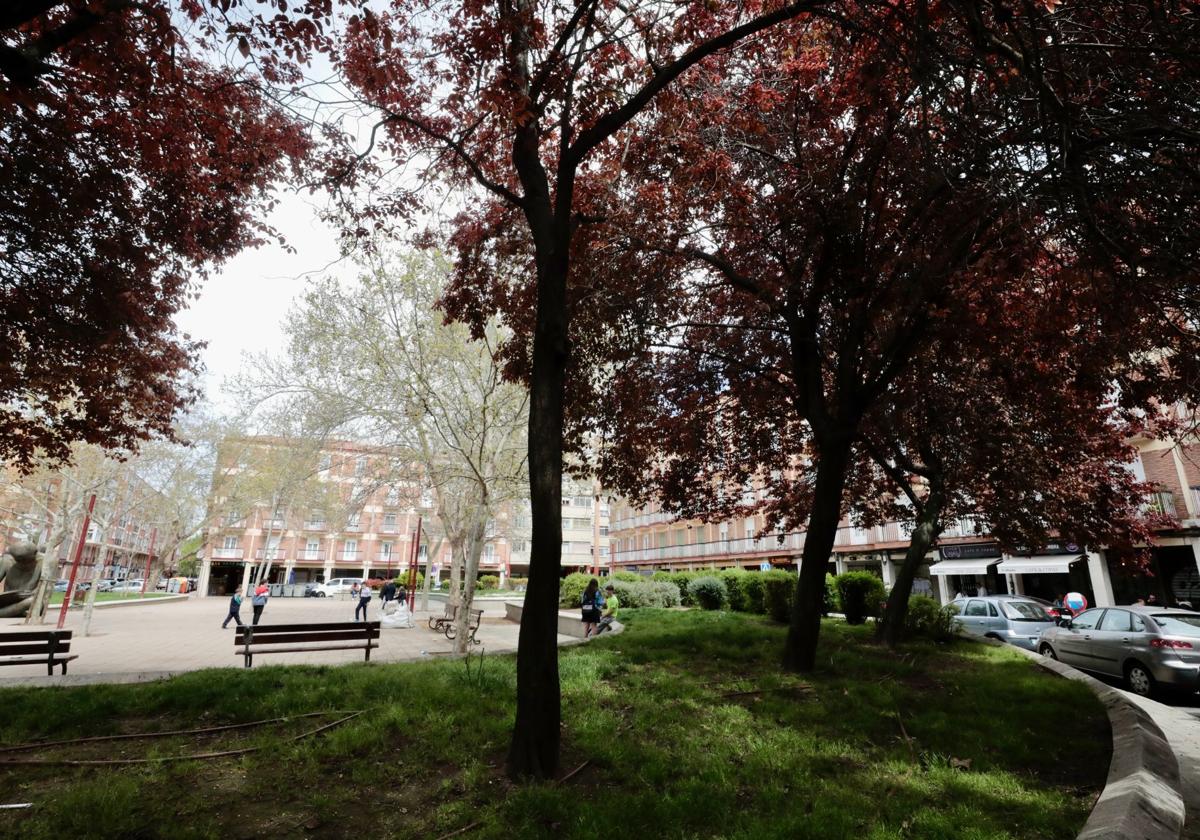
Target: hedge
[
  {"x": 708, "y": 592},
  {"x": 861, "y": 593}
]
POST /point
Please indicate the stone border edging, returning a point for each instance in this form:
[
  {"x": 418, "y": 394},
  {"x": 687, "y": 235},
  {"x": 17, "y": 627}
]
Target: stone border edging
[
  {"x": 124, "y": 602},
  {"x": 1142, "y": 797}
]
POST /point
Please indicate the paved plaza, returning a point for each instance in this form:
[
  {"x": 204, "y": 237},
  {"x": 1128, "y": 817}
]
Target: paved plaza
[{"x": 148, "y": 641}]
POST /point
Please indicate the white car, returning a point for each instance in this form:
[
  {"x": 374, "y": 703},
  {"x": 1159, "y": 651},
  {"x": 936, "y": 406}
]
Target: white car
[
  {"x": 337, "y": 586},
  {"x": 128, "y": 586}
]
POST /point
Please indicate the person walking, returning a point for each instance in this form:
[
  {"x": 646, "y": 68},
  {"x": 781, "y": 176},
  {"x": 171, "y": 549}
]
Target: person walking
[
  {"x": 591, "y": 604},
  {"x": 388, "y": 592},
  {"x": 235, "y": 609},
  {"x": 259, "y": 601},
  {"x": 364, "y": 598}
]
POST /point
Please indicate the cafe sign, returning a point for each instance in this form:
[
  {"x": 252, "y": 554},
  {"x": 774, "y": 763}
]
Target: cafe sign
[{"x": 969, "y": 551}]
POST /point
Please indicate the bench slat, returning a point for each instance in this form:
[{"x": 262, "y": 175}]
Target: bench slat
[
  {"x": 261, "y": 638},
  {"x": 373, "y": 646},
  {"x": 34, "y": 647},
  {"x": 34, "y": 635},
  {"x": 297, "y": 628},
  {"x": 35, "y": 660}
]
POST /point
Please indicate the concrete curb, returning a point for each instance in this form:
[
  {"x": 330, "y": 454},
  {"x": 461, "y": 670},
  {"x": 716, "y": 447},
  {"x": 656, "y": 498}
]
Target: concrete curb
[
  {"x": 126, "y": 602},
  {"x": 1142, "y": 797}
]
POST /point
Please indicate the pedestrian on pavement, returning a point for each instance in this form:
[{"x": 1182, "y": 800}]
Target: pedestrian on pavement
[
  {"x": 259, "y": 601},
  {"x": 402, "y": 595},
  {"x": 354, "y": 587},
  {"x": 235, "y": 609},
  {"x": 364, "y": 597},
  {"x": 388, "y": 592}
]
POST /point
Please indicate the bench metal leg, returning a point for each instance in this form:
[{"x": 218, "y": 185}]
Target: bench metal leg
[
  {"x": 64, "y": 671},
  {"x": 248, "y": 659}
]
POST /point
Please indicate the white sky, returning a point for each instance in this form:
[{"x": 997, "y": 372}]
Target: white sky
[{"x": 240, "y": 306}]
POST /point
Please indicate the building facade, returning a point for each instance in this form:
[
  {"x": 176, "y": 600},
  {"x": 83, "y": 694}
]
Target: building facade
[
  {"x": 361, "y": 520},
  {"x": 966, "y": 560}
]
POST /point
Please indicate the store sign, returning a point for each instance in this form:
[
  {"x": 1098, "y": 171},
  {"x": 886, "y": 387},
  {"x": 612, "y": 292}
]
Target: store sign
[
  {"x": 969, "y": 551},
  {"x": 1052, "y": 547}
]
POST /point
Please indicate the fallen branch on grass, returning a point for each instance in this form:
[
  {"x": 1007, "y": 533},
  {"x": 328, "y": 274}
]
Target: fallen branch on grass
[{"x": 102, "y": 762}]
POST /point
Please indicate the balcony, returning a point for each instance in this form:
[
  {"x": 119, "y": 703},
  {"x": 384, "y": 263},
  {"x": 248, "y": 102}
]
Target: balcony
[
  {"x": 227, "y": 554},
  {"x": 388, "y": 528},
  {"x": 315, "y": 525},
  {"x": 272, "y": 554},
  {"x": 1161, "y": 503},
  {"x": 311, "y": 556}
]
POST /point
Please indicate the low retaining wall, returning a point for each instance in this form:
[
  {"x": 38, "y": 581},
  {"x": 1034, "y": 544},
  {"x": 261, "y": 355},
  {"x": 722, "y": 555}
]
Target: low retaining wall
[
  {"x": 1142, "y": 797},
  {"x": 124, "y": 602},
  {"x": 568, "y": 623}
]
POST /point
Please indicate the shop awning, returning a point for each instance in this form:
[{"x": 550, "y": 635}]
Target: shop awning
[
  {"x": 1038, "y": 565},
  {"x": 963, "y": 567}
]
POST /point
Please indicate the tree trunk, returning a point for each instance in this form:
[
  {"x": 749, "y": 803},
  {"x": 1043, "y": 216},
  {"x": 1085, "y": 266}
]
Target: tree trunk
[
  {"x": 533, "y": 752},
  {"x": 800, "y": 652},
  {"x": 925, "y": 533},
  {"x": 472, "y": 549}
]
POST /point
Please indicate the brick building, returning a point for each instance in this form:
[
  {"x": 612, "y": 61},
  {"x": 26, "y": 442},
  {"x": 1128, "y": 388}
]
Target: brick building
[
  {"x": 366, "y": 525},
  {"x": 966, "y": 559}
]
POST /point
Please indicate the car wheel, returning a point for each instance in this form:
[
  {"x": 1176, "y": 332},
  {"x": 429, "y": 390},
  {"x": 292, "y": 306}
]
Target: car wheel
[
  {"x": 1139, "y": 680},
  {"x": 1047, "y": 651},
  {"x": 320, "y": 594}
]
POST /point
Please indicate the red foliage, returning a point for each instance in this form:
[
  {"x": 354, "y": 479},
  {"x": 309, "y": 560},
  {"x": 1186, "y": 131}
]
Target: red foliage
[{"x": 131, "y": 165}]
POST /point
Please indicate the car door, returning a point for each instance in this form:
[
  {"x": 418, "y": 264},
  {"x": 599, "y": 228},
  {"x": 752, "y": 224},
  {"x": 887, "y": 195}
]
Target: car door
[
  {"x": 1110, "y": 640},
  {"x": 975, "y": 617},
  {"x": 1075, "y": 640}
]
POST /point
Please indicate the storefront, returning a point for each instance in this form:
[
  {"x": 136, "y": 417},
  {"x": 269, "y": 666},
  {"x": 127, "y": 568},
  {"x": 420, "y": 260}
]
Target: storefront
[
  {"x": 967, "y": 569},
  {"x": 1058, "y": 568}
]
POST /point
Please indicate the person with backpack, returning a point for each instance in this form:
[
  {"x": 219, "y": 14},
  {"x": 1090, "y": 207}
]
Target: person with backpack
[
  {"x": 235, "y": 609},
  {"x": 592, "y": 602}
]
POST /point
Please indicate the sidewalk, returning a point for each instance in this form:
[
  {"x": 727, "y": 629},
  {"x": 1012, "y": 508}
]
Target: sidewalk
[
  {"x": 1181, "y": 725},
  {"x": 137, "y": 643}
]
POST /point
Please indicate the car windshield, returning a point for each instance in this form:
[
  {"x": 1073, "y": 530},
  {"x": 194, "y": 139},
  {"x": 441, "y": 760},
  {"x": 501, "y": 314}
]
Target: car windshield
[
  {"x": 1024, "y": 611},
  {"x": 1175, "y": 624}
]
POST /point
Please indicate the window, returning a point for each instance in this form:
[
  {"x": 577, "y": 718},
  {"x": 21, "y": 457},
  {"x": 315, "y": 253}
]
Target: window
[
  {"x": 230, "y": 543},
  {"x": 1117, "y": 621},
  {"x": 273, "y": 548},
  {"x": 583, "y": 501},
  {"x": 1179, "y": 624},
  {"x": 385, "y": 550},
  {"x": 360, "y": 465},
  {"x": 1024, "y": 611},
  {"x": 393, "y": 496},
  {"x": 1086, "y": 620},
  {"x": 603, "y": 551},
  {"x": 389, "y": 522},
  {"x": 976, "y": 608},
  {"x": 518, "y": 546},
  {"x": 724, "y": 531},
  {"x": 489, "y": 553},
  {"x": 680, "y": 536},
  {"x": 992, "y": 611},
  {"x": 316, "y": 520},
  {"x": 662, "y": 539},
  {"x": 324, "y": 463},
  {"x": 311, "y": 548},
  {"x": 749, "y": 525},
  {"x": 354, "y": 522},
  {"x": 604, "y": 530},
  {"x": 645, "y": 542},
  {"x": 233, "y": 518},
  {"x": 350, "y": 549}
]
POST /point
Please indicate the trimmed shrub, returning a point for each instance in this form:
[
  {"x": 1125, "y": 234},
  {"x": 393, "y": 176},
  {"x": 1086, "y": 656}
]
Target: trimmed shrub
[
  {"x": 861, "y": 594},
  {"x": 926, "y": 617},
  {"x": 402, "y": 580},
  {"x": 734, "y": 580},
  {"x": 570, "y": 589},
  {"x": 628, "y": 577},
  {"x": 708, "y": 592},
  {"x": 832, "y": 602},
  {"x": 489, "y": 582},
  {"x": 753, "y": 593},
  {"x": 681, "y": 581},
  {"x": 779, "y": 589},
  {"x": 646, "y": 593},
  {"x": 514, "y": 582}
]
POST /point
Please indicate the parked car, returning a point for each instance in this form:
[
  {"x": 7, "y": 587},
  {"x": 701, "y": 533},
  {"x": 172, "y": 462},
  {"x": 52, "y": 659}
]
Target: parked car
[
  {"x": 61, "y": 585},
  {"x": 104, "y": 585},
  {"x": 128, "y": 586},
  {"x": 1009, "y": 618},
  {"x": 1148, "y": 647},
  {"x": 337, "y": 586},
  {"x": 1059, "y": 614},
  {"x": 161, "y": 586},
  {"x": 310, "y": 590}
]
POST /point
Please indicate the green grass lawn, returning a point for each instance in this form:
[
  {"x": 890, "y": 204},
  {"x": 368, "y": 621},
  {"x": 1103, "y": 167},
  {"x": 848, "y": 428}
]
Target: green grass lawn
[
  {"x": 966, "y": 741},
  {"x": 57, "y": 597}
]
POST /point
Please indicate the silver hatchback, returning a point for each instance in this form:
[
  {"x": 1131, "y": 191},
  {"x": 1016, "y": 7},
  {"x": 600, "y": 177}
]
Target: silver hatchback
[
  {"x": 1009, "y": 618},
  {"x": 1147, "y": 646}
]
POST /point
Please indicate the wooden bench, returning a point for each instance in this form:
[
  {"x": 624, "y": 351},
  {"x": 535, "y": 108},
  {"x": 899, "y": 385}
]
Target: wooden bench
[
  {"x": 298, "y": 638},
  {"x": 472, "y": 625},
  {"x": 449, "y": 615},
  {"x": 48, "y": 647}
]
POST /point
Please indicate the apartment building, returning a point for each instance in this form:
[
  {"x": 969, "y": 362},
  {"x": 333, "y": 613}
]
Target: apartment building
[
  {"x": 361, "y": 520},
  {"x": 966, "y": 558}
]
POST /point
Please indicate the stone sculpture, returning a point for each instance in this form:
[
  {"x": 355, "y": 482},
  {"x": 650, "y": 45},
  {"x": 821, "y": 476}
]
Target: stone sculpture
[{"x": 20, "y": 571}]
